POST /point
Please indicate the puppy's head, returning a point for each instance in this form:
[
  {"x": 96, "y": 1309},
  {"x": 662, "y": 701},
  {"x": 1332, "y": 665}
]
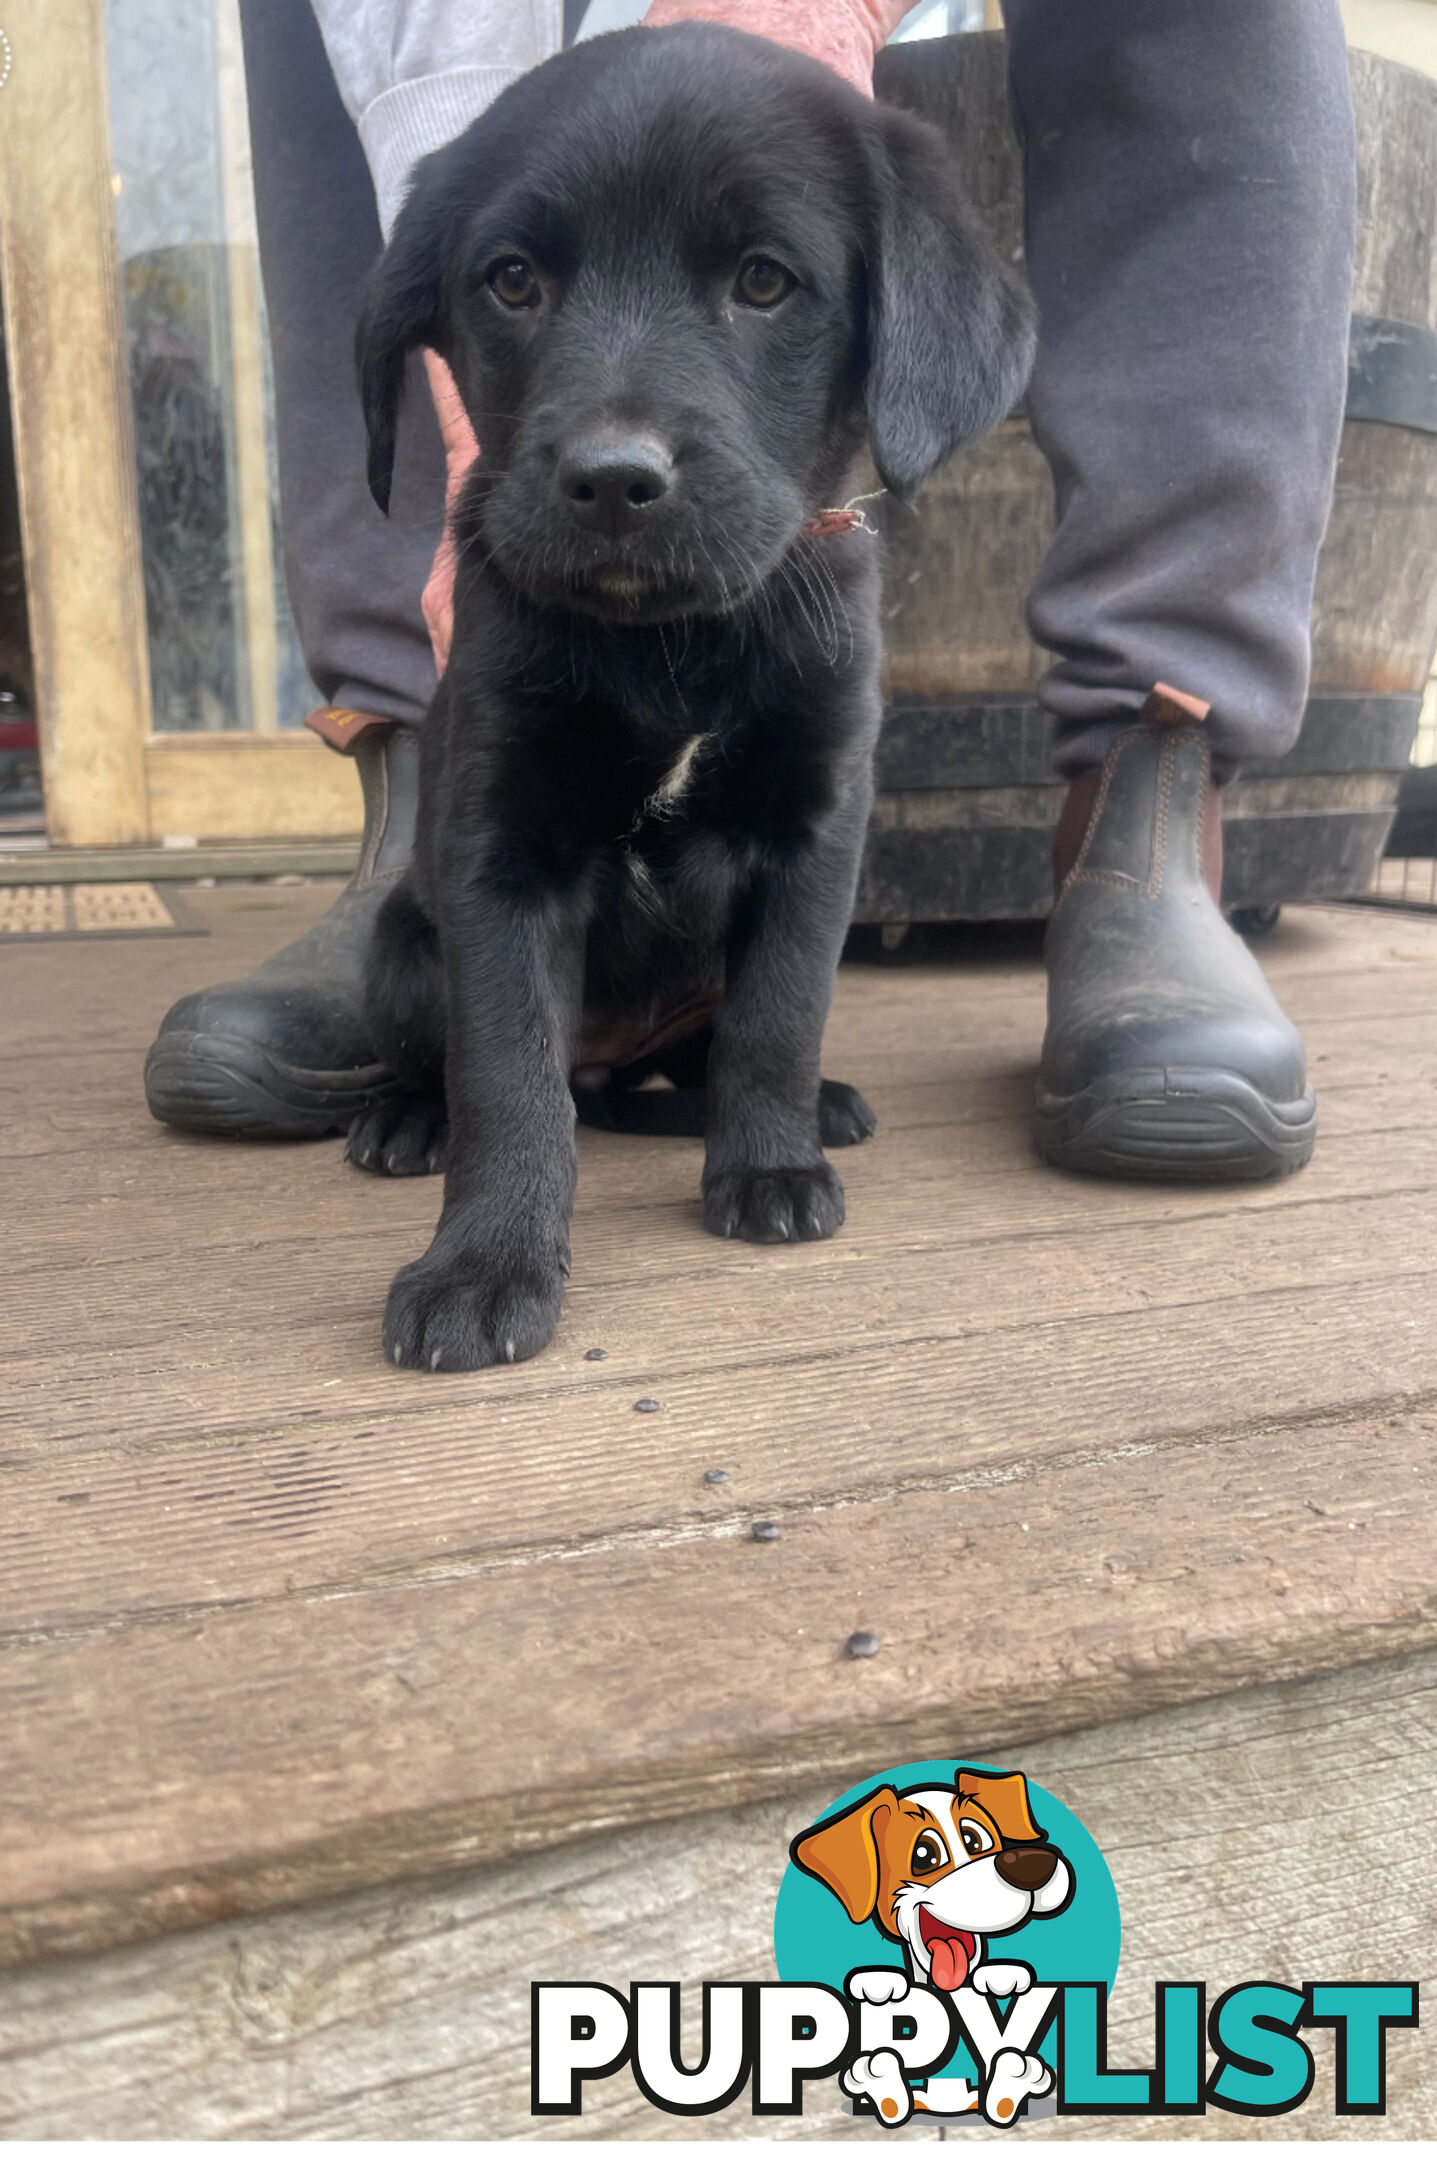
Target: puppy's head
[
  {"x": 939, "y": 1869},
  {"x": 678, "y": 275}
]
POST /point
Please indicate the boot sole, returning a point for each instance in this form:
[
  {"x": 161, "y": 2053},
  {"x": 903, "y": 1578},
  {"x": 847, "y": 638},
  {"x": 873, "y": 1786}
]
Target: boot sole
[
  {"x": 223, "y": 1084},
  {"x": 1194, "y": 1126}
]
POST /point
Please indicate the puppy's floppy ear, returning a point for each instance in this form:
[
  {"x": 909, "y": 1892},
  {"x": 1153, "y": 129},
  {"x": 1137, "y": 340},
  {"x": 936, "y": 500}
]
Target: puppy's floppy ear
[
  {"x": 1004, "y": 1796},
  {"x": 950, "y": 328},
  {"x": 843, "y": 1852},
  {"x": 403, "y": 309}
]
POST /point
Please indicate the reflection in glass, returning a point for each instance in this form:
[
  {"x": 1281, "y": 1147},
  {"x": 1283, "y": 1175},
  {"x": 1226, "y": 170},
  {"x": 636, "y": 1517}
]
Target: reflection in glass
[{"x": 222, "y": 647}]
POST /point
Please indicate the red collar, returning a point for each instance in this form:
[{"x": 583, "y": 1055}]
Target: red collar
[{"x": 851, "y": 518}]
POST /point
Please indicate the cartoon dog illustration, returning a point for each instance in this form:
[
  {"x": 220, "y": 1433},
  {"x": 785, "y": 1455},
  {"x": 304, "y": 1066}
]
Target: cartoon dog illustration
[{"x": 940, "y": 1869}]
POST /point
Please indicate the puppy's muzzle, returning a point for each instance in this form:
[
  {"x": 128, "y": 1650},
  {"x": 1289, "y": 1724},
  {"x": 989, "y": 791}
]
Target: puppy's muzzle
[
  {"x": 1026, "y": 1867},
  {"x": 613, "y": 484}
]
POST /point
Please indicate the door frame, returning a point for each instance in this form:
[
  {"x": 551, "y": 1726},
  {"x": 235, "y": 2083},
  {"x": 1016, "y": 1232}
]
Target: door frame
[{"x": 109, "y": 780}]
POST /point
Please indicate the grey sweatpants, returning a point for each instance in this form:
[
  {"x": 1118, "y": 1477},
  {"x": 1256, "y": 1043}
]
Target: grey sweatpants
[
  {"x": 1190, "y": 209},
  {"x": 354, "y": 576}
]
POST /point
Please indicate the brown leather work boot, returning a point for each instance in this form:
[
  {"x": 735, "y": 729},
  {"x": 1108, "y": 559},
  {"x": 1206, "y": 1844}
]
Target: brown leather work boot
[{"x": 1166, "y": 1054}]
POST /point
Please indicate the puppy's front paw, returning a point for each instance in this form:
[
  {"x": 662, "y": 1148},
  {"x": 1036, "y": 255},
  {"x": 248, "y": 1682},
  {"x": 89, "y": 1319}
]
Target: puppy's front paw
[
  {"x": 450, "y": 1316},
  {"x": 844, "y": 1118},
  {"x": 878, "y": 1984},
  {"x": 998, "y": 1979},
  {"x": 774, "y": 1207},
  {"x": 403, "y": 1136}
]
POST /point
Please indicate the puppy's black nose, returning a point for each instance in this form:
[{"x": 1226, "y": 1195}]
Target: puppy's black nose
[
  {"x": 612, "y": 482},
  {"x": 1027, "y": 1867}
]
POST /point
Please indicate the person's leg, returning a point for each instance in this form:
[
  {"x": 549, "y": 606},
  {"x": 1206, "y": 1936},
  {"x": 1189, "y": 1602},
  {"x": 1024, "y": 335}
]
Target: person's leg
[
  {"x": 354, "y": 576},
  {"x": 286, "y": 1052},
  {"x": 1189, "y": 176},
  {"x": 1190, "y": 205}
]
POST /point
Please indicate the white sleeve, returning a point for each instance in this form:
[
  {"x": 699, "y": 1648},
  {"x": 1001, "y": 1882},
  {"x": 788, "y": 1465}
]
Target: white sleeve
[{"x": 414, "y": 73}]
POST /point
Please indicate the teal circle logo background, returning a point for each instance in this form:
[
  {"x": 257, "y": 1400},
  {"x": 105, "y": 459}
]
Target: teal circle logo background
[{"x": 814, "y": 1939}]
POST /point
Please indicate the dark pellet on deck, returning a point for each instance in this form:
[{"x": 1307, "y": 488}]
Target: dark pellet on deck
[
  {"x": 648, "y": 1402},
  {"x": 764, "y": 1533},
  {"x": 715, "y": 1477},
  {"x": 861, "y": 1644},
  {"x": 592, "y": 1357}
]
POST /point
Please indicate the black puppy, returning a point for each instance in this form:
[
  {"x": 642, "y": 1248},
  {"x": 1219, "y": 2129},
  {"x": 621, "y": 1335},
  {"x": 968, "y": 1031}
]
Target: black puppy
[{"x": 680, "y": 276}]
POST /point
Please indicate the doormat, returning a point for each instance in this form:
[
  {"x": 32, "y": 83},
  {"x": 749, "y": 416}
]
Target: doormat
[{"x": 93, "y": 911}]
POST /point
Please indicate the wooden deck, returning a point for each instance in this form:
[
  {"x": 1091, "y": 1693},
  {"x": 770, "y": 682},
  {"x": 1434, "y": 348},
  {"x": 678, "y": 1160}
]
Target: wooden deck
[{"x": 279, "y": 1620}]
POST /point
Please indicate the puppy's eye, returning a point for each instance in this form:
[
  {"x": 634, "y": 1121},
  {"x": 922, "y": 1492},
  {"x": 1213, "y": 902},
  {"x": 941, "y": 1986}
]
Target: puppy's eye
[
  {"x": 929, "y": 1853},
  {"x": 975, "y": 1839},
  {"x": 762, "y": 282},
  {"x": 513, "y": 281}
]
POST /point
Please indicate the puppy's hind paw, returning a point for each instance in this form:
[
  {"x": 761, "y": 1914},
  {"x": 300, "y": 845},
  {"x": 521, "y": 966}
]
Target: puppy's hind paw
[
  {"x": 457, "y": 1318},
  {"x": 1012, "y": 2079},
  {"x": 844, "y": 1118},
  {"x": 879, "y": 2077},
  {"x": 774, "y": 1207},
  {"x": 403, "y": 1137}
]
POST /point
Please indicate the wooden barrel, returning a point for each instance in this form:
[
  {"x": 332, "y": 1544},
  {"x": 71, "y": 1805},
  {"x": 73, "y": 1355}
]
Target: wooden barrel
[{"x": 967, "y": 798}]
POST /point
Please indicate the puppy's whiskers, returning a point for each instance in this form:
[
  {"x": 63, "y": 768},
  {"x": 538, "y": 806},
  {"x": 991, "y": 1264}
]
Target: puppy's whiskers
[
  {"x": 792, "y": 577},
  {"x": 819, "y": 581},
  {"x": 724, "y": 595},
  {"x": 754, "y": 597},
  {"x": 818, "y": 563},
  {"x": 669, "y": 664}
]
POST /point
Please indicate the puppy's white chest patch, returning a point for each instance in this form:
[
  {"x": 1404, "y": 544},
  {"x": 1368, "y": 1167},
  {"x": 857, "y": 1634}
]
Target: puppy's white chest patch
[{"x": 671, "y": 789}]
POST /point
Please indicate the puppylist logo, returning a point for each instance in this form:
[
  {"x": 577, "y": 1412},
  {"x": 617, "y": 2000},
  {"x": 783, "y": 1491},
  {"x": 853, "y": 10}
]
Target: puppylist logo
[{"x": 946, "y": 1937}]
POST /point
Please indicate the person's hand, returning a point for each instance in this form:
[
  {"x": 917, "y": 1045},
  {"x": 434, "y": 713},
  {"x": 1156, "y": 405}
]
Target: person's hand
[
  {"x": 460, "y": 450},
  {"x": 844, "y": 34}
]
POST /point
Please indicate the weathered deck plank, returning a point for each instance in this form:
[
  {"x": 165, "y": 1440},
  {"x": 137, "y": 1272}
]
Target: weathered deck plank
[
  {"x": 318, "y": 1622},
  {"x": 403, "y": 2012}
]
